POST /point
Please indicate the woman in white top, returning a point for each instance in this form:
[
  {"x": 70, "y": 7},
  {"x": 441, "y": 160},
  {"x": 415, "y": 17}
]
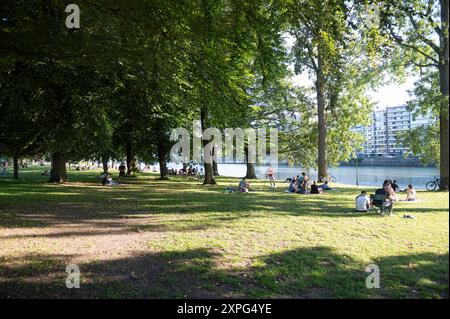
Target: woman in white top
[{"x": 410, "y": 194}]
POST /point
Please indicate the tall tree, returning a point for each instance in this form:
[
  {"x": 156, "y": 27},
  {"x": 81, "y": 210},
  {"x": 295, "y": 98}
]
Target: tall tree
[
  {"x": 420, "y": 29},
  {"x": 21, "y": 122},
  {"x": 332, "y": 51},
  {"x": 319, "y": 29}
]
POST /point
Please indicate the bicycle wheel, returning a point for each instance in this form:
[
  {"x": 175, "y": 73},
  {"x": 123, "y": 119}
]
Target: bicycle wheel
[
  {"x": 332, "y": 179},
  {"x": 431, "y": 186}
]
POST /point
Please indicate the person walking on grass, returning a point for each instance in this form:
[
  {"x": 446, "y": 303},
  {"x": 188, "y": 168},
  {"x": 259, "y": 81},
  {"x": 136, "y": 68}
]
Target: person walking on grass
[{"x": 270, "y": 174}]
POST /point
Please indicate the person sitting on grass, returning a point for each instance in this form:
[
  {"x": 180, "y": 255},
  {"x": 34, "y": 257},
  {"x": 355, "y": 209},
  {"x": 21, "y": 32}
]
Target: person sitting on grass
[
  {"x": 386, "y": 193},
  {"x": 108, "y": 181},
  {"x": 104, "y": 177},
  {"x": 387, "y": 185},
  {"x": 304, "y": 180},
  {"x": 301, "y": 188},
  {"x": 362, "y": 202},
  {"x": 293, "y": 186},
  {"x": 411, "y": 194},
  {"x": 395, "y": 186},
  {"x": 315, "y": 189},
  {"x": 244, "y": 186}
]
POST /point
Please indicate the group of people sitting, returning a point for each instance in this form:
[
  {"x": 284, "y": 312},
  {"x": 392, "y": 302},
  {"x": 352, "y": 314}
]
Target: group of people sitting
[
  {"x": 389, "y": 192},
  {"x": 189, "y": 171},
  {"x": 299, "y": 185},
  {"x": 82, "y": 167}
]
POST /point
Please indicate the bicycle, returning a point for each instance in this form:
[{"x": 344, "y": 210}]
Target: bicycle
[
  {"x": 330, "y": 178},
  {"x": 432, "y": 185}
]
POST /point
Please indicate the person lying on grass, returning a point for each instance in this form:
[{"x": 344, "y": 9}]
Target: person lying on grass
[
  {"x": 325, "y": 186},
  {"x": 244, "y": 186}
]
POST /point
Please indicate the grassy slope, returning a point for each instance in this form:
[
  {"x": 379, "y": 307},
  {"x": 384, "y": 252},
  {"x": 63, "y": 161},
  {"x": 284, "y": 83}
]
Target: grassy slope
[{"x": 196, "y": 241}]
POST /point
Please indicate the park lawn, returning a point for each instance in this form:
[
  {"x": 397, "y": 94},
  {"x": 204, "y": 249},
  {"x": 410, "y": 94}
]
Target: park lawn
[{"x": 179, "y": 239}]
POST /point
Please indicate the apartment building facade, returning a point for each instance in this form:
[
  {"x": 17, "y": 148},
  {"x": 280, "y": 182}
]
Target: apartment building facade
[{"x": 381, "y": 136}]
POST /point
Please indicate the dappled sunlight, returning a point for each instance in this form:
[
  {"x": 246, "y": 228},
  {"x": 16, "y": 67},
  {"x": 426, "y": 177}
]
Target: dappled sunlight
[
  {"x": 176, "y": 238},
  {"x": 312, "y": 272}
]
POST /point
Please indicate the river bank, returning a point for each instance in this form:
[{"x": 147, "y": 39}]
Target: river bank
[{"x": 361, "y": 176}]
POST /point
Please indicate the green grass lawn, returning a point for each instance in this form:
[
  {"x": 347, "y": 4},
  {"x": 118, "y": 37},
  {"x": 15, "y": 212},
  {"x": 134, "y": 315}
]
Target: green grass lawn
[{"x": 177, "y": 238}]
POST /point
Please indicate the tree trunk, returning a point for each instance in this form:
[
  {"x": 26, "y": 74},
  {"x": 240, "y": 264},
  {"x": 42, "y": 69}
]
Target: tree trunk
[
  {"x": 209, "y": 174},
  {"x": 131, "y": 161},
  {"x": 105, "y": 160},
  {"x": 444, "y": 132},
  {"x": 215, "y": 169},
  {"x": 251, "y": 173},
  {"x": 162, "y": 155},
  {"x": 16, "y": 167},
  {"x": 58, "y": 171},
  {"x": 444, "y": 111},
  {"x": 322, "y": 121}
]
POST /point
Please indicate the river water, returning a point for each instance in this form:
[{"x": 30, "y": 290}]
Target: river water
[{"x": 367, "y": 176}]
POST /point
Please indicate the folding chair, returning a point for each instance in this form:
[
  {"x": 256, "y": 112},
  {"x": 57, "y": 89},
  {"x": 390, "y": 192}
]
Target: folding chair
[{"x": 378, "y": 204}]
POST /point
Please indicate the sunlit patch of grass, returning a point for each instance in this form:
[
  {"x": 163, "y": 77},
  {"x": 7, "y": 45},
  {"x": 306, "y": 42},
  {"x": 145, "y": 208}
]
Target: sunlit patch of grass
[{"x": 205, "y": 242}]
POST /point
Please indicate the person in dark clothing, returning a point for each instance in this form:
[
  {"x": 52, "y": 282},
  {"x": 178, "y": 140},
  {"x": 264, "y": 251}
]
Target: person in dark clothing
[
  {"x": 388, "y": 201},
  {"x": 315, "y": 188},
  {"x": 122, "y": 170},
  {"x": 395, "y": 187}
]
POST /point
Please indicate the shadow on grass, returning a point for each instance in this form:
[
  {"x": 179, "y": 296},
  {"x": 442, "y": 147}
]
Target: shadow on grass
[
  {"x": 316, "y": 272},
  {"x": 32, "y": 203}
]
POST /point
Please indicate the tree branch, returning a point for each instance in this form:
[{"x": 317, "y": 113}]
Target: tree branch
[
  {"x": 399, "y": 41},
  {"x": 423, "y": 38}
]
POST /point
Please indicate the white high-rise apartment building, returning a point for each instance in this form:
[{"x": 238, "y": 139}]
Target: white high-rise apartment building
[{"x": 381, "y": 135}]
